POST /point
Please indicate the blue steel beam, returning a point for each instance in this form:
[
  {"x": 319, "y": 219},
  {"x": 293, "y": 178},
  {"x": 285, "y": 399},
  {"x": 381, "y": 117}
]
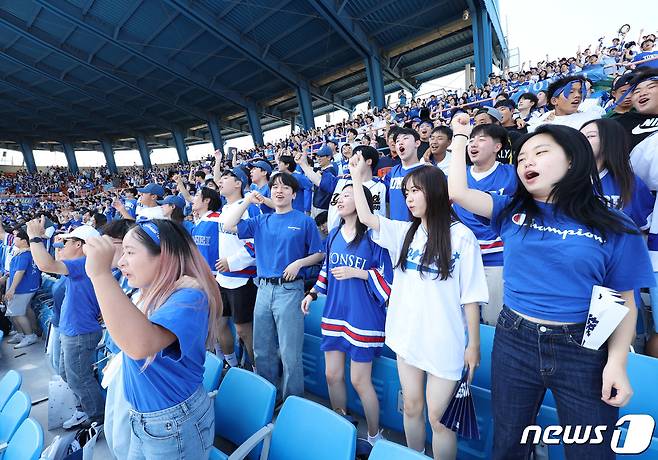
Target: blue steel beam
[
  {"x": 109, "y": 155},
  {"x": 143, "y": 148},
  {"x": 492, "y": 8},
  {"x": 204, "y": 17},
  {"x": 357, "y": 38},
  {"x": 306, "y": 105},
  {"x": 69, "y": 151},
  {"x": 28, "y": 155},
  {"x": 215, "y": 132},
  {"x": 70, "y": 13},
  {"x": 8, "y": 20},
  {"x": 181, "y": 148},
  {"x": 255, "y": 126}
]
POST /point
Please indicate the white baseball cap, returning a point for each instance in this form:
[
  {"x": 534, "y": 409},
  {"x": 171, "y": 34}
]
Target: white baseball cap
[{"x": 82, "y": 232}]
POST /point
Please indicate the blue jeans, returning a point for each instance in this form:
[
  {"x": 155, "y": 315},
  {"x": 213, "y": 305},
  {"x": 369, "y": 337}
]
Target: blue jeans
[
  {"x": 184, "y": 431},
  {"x": 78, "y": 357},
  {"x": 529, "y": 358},
  {"x": 654, "y": 303},
  {"x": 279, "y": 336},
  {"x": 56, "y": 349}
]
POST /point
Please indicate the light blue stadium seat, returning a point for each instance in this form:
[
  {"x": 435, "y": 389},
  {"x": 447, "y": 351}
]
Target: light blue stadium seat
[
  {"x": 641, "y": 372},
  {"x": 387, "y": 450},
  {"x": 315, "y": 381},
  {"x": 244, "y": 405},
  {"x": 471, "y": 449},
  {"x": 27, "y": 442},
  {"x": 313, "y": 320},
  {"x": 482, "y": 377},
  {"x": 306, "y": 430},
  {"x": 386, "y": 382},
  {"x": 9, "y": 385},
  {"x": 15, "y": 411},
  {"x": 212, "y": 372}
]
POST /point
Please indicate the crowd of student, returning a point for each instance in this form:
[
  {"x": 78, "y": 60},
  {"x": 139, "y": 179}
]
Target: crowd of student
[{"x": 415, "y": 228}]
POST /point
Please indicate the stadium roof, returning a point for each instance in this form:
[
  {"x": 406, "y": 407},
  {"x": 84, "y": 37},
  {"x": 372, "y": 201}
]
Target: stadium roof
[{"x": 80, "y": 71}]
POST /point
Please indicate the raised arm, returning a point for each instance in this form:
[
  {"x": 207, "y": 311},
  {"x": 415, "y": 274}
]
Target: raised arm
[
  {"x": 475, "y": 201},
  {"x": 43, "y": 260},
  {"x": 358, "y": 169},
  {"x": 217, "y": 169},
  {"x": 302, "y": 160},
  {"x": 182, "y": 189},
  {"x": 233, "y": 215},
  {"x": 137, "y": 337}
]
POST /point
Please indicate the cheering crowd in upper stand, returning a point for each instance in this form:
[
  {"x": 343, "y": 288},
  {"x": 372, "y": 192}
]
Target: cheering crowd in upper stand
[{"x": 551, "y": 175}]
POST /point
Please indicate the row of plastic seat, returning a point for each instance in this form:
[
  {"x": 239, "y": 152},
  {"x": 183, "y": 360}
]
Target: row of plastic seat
[
  {"x": 244, "y": 408},
  {"x": 387, "y": 385},
  {"x": 21, "y": 438}
]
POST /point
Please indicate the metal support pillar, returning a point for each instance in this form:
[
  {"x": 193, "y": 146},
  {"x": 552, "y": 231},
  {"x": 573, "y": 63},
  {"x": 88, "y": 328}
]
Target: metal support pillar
[
  {"x": 482, "y": 44},
  {"x": 215, "y": 132},
  {"x": 69, "y": 151},
  {"x": 109, "y": 156},
  {"x": 144, "y": 151},
  {"x": 254, "y": 125},
  {"x": 375, "y": 82},
  {"x": 179, "y": 139},
  {"x": 28, "y": 156},
  {"x": 306, "y": 107}
]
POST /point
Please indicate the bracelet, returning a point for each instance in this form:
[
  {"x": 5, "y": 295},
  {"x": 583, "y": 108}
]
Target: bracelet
[
  {"x": 314, "y": 295},
  {"x": 36, "y": 239},
  {"x": 455, "y": 135}
]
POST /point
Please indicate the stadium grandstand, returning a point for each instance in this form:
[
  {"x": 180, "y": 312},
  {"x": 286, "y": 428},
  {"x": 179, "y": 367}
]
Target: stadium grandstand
[{"x": 291, "y": 250}]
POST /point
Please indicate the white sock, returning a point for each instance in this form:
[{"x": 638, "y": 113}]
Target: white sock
[
  {"x": 219, "y": 352},
  {"x": 231, "y": 359},
  {"x": 373, "y": 439}
]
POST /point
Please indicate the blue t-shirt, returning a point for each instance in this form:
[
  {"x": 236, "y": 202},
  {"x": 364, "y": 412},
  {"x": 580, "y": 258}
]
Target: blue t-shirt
[
  {"x": 177, "y": 371},
  {"x": 398, "y": 207},
  {"x": 32, "y": 276},
  {"x": 59, "y": 290},
  {"x": 80, "y": 310},
  {"x": 550, "y": 270},
  {"x": 265, "y": 191},
  {"x": 284, "y": 239},
  {"x": 205, "y": 234},
  {"x": 302, "y": 201},
  {"x": 642, "y": 200},
  {"x": 501, "y": 180}
]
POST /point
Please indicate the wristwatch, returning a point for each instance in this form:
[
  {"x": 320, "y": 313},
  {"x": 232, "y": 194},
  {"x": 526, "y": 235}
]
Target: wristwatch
[
  {"x": 36, "y": 239},
  {"x": 314, "y": 295}
]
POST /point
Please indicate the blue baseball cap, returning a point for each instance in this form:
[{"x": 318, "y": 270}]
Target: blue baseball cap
[
  {"x": 324, "y": 151},
  {"x": 175, "y": 200},
  {"x": 153, "y": 189},
  {"x": 239, "y": 174},
  {"x": 264, "y": 165}
]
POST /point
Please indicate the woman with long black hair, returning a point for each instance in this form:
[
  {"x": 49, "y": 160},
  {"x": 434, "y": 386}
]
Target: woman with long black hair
[
  {"x": 355, "y": 277},
  {"x": 621, "y": 188},
  {"x": 561, "y": 239},
  {"x": 439, "y": 282}
]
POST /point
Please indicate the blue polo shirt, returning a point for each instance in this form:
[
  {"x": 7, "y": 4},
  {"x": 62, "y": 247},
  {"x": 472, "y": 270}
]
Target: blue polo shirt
[{"x": 80, "y": 310}]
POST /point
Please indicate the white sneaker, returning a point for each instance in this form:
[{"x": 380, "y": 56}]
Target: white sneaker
[
  {"x": 12, "y": 333},
  {"x": 16, "y": 338},
  {"x": 75, "y": 420},
  {"x": 27, "y": 341}
]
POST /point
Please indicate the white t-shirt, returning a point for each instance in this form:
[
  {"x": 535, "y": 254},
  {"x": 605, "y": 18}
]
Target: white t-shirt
[
  {"x": 444, "y": 165},
  {"x": 376, "y": 187},
  {"x": 150, "y": 213},
  {"x": 575, "y": 120},
  {"x": 425, "y": 323}
]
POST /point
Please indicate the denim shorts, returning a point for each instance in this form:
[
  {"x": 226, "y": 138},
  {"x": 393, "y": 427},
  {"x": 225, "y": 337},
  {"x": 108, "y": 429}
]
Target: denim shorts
[{"x": 186, "y": 430}]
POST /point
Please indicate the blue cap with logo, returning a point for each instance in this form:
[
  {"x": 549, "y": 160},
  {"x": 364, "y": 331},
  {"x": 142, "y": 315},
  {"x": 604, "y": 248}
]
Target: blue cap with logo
[
  {"x": 324, "y": 151},
  {"x": 240, "y": 175}
]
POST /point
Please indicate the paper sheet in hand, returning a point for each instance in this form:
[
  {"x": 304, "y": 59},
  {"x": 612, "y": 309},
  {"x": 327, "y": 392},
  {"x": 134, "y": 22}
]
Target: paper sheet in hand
[{"x": 606, "y": 311}]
